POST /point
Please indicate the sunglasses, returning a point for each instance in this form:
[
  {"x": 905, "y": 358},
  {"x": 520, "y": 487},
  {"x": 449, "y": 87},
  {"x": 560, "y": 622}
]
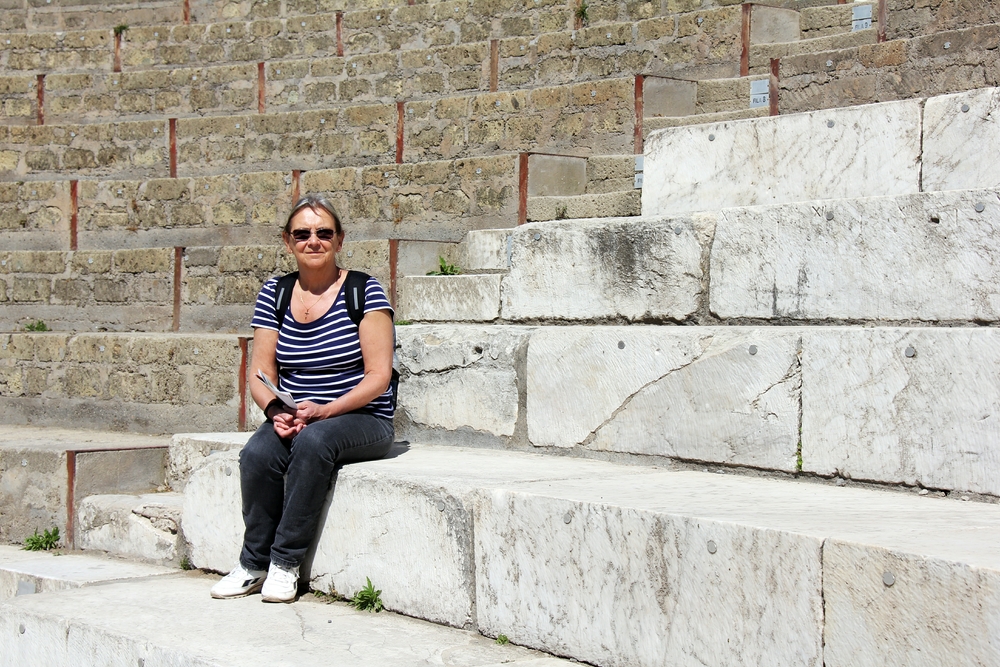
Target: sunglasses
[{"x": 323, "y": 234}]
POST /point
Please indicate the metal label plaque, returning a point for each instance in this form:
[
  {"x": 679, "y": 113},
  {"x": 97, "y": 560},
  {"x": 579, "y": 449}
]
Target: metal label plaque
[
  {"x": 861, "y": 16},
  {"x": 760, "y": 93}
]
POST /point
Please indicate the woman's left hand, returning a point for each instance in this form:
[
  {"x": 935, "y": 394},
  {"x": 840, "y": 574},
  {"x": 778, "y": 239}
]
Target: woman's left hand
[{"x": 309, "y": 412}]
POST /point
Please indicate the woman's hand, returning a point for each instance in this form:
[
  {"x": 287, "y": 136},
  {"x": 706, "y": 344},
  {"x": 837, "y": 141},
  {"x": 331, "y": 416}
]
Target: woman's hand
[
  {"x": 309, "y": 412},
  {"x": 286, "y": 425}
]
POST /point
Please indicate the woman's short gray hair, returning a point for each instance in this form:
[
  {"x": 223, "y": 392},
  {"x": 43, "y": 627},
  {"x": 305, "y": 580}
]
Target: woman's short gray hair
[{"x": 317, "y": 203}]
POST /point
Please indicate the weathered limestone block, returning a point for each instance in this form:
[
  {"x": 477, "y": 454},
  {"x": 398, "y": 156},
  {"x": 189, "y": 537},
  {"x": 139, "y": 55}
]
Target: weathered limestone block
[
  {"x": 188, "y": 450},
  {"x": 925, "y": 257},
  {"x": 619, "y": 584},
  {"x": 957, "y": 131},
  {"x": 609, "y": 268},
  {"x": 894, "y": 405},
  {"x": 460, "y": 298},
  {"x": 834, "y": 154},
  {"x": 136, "y": 527},
  {"x": 722, "y": 394},
  {"x": 461, "y": 377},
  {"x": 211, "y": 518},
  {"x": 933, "y": 611},
  {"x": 486, "y": 250}
]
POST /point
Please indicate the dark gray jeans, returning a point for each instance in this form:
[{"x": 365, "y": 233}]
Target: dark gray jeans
[{"x": 284, "y": 483}]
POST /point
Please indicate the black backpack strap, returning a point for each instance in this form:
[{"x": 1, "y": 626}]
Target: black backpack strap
[
  {"x": 354, "y": 295},
  {"x": 283, "y": 295}
]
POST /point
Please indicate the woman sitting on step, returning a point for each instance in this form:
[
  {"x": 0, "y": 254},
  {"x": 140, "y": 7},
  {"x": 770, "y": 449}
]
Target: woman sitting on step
[{"x": 338, "y": 374}]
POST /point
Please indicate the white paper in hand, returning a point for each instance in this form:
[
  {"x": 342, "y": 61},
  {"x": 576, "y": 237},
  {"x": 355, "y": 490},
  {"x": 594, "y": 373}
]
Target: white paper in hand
[{"x": 284, "y": 396}]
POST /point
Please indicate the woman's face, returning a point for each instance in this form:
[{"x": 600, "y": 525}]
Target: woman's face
[{"x": 313, "y": 240}]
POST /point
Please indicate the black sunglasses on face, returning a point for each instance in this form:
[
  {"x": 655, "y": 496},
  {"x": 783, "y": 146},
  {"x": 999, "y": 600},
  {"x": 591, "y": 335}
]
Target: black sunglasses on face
[{"x": 322, "y": 234}]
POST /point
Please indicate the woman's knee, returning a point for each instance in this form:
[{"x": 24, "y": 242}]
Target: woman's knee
[{"x": 264, "y": 451}]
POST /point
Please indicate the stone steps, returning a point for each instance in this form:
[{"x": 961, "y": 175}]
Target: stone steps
[
  {"x": 138, "y": 527},
  {"x": 44, "y": 472},
  {"x": 172, "y": 620},
  {"x": 22, "y": 15},
  {"x": 658, "y": 547}
]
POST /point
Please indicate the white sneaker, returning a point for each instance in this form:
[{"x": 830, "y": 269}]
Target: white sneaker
[
  {"x": 281, "y": 585},
  {"x": 238, "y": 583}
]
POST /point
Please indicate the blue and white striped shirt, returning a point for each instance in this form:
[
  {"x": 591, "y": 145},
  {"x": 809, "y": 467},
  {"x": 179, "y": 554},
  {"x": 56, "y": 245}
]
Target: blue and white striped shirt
[{"x": 321, "y": 361}]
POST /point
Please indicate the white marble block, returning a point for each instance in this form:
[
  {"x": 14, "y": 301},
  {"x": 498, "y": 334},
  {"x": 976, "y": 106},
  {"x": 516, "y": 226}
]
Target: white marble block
[
  {"x": 617, "y": 586},
  {"x": 917, "y": 406},
  {"x": 935, "y": 612},
  {"x": 460, "y": 376},
  {"x": 961, "y": 141},
  {"x": 485, "y": 250},
  {"x": 212, "y": 516},
  {"x": 460, "y": 298},
  {"x": 926, "y": 257},
  {"x": 831, "y": 154},
  {"x": 604, "y": 268},
  {"x": 723, "y": 394}
]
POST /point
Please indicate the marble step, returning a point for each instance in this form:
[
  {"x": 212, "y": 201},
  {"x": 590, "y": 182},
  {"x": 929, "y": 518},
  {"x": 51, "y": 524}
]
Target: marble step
[
  {"x": 142, "y": 527},
  {"x": 613, "y": 564},
  {"x": 46, "y": 472},
  {"x": 172, "y": 620},
  {"x": 29, "y": 572}
]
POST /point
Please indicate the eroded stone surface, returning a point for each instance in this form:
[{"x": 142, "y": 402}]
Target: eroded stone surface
[
  {"x": 609, "y": 268},
  {"x": 486, "y": 250},
  {"x": 139, "y": 527},
  {"x": 212, "y": 518},
  {"x": 839, "y": 153},
  {"x": 460, "y": 298},
  {"x": 461, "y": 376},
  {"x": 928, "y": 257},
  {"x": 957, "y": 131},
  {"x": 872, "y": 411},
  {"x": 187, "y": 450},
  {"x": 712, "y": 394}
]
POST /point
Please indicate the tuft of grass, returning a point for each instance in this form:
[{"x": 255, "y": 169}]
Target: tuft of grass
[
  {"x": 502, "y": 640},
  {"x": 327, "y": 598},
  {"x": 120, "y": 29},
  {"x": 581, "y": 13},
  {"x": 186, "y": 564},
  {"x": 445, "y": 269},
  {"x": 37, "y": 325},
  {"x": 368, "y": 598},
  {"x": 44, "y": 542},
  {"x": 402, "y": 323}
]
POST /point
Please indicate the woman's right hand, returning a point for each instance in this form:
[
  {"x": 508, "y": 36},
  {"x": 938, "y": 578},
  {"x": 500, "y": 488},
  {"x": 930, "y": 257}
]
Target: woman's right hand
[{"x": 286, "y": 425}]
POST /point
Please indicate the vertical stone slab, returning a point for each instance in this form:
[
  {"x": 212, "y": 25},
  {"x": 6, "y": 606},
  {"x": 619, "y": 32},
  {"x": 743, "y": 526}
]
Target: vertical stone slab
[
  {"x": 556, "y": 175},
  {"x": 961, "y": 138},
  {"x": 927, "y": 257},
  {"x": 936, "y": 612},
  {"x": 606, "y": 268},
  {"x": 214, "y": 536},
  {"x": 770, "y": 25},
  {"x": 838, "y": 153},
  {"x": 662, "y": 96},
  {"x": 618, "y": 586},
  {"x": 914, "y": 406},
  {"x": 728, "y": 395}
]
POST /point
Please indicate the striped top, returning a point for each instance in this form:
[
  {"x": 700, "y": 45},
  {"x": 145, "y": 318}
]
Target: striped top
[{"x": 321, "y": 361}]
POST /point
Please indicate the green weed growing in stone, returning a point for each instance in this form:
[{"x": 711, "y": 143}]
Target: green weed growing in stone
[
  {"x": 445, "y": 269},
  {"x": 120, "y": 29},
  {"x": 186, "y": 564},
  {"x": 402, "y": 323},
  {"x": 502, "y": 639},
  {"x": 368, "y": 598},
  {"x": 47, "y": 540},
  {"x": 581, "y": 13},
  {"x": 37, "y": 325}
]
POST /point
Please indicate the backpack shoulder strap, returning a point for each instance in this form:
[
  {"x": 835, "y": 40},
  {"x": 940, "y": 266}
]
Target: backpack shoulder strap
[
  {"x": 283, "y": 295},
  {"x": 354, "y": 295}
]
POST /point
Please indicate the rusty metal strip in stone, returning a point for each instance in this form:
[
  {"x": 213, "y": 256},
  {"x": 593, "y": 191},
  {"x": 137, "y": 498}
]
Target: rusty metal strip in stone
[
  {"x": 340, "y": 34},
  {"x": 393, "y": 264},
  {"x": 745, "y": 41},
  {"x": 637, "y": 133},
  {"x": 296, "y": 181},
  {"x": 41, "y": 98},
  {"x": 773, "y": 86},
  {"x": 494, "y": 65},
  {"x": 70, "y": 500},
  {"x": 400, "y": 117},
  {"x": 242, "y": 417},
  {"x": 187, "y": 12},
  {"x": 882, "y": 20},
  {"x": 172, "y": 124},
  {"x": 74, "y": 209},
  {"x": 117, "y": 67},
  {"x": 261, "y": 88},
  {"x": 178, "y": 265},
  {"x": 522, "y": 189}
]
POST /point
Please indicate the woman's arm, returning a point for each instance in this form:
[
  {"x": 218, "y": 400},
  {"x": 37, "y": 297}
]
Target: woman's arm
[
  {"x": 265, "y": 344},
  {"x": 376, "y": 335}
]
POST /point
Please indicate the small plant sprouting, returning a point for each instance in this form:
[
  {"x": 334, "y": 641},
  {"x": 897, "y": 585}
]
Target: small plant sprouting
[
  {"x": 368, "y": 598},
  {"x": 502, "y": 640},
  {"x": 445, "y": 269},
  {"x": 47, "y": 540},
  {"x": 37, "y": 325},
  {"x": 120, "y": 29},
  {"x": 581, "y": 13},
  {"x": 403, "y": 323},
  {"x": 186, "y": 564},
  {"x": 562, "y": 213}
]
